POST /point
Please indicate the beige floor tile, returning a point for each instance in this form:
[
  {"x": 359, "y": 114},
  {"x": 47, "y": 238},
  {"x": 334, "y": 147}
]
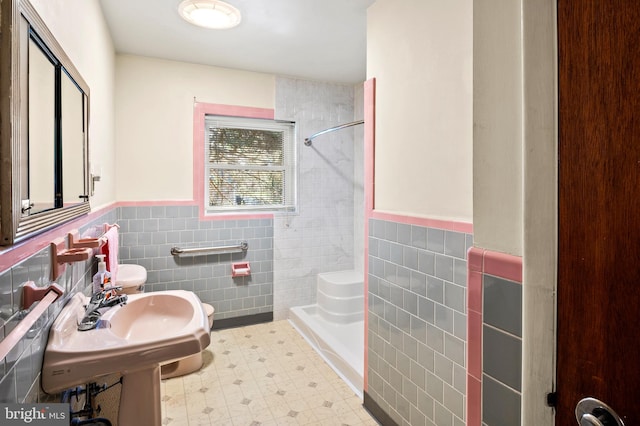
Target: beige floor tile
[{"x": 261, "y": 375}]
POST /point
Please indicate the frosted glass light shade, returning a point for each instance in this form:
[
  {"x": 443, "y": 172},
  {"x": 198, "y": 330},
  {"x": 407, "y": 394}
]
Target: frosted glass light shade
[{"x": 214, "y": 14}]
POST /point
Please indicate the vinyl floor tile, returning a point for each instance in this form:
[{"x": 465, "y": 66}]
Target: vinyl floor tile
[{"x": 261, "y": 375}]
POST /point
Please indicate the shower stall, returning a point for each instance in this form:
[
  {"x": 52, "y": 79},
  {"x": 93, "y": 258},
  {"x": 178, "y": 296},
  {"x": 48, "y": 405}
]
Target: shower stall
[
  {"x": 334, "y": 326},
  {"x": 319, "y": 249}
]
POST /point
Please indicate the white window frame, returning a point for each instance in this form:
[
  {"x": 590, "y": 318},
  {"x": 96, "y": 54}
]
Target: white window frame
[{"x": 290, "y": 181}]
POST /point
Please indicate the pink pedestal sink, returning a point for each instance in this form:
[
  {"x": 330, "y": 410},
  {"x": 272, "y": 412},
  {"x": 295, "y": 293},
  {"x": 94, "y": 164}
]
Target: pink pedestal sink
[{"x": 133, "y": 340}]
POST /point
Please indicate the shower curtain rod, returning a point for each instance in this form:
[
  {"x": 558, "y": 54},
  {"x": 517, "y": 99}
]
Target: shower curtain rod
[{"x": 307, "y": 141}]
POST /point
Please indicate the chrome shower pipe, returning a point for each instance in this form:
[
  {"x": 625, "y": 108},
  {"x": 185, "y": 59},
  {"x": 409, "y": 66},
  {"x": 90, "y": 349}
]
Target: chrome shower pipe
[{"x": 307, "y": 141}]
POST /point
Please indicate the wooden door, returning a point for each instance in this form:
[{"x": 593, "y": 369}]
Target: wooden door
[{"x": 599, "y": 206}]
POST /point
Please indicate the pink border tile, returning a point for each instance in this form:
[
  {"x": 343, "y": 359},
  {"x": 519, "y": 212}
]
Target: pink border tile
[
  {"x": 369, "y": 141},
  {"x": 15, "y": 254},
  {"x": 475, "y": 259},
  {"x": 155, "y": 203},
  {"x": 503, "y": 265},
  {"x": 474, "y": 393},
  {"x": 480, "y": 262},
  {"x": 371, "y": 213},
  {"x": 474, "y": 291},
  {"x": 474, "y": 344},
  {"x": 447, "y": 225}
]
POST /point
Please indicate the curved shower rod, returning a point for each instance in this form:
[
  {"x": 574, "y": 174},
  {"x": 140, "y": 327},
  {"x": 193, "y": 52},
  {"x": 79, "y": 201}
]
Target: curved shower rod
[{"x": 307, "y": 141}]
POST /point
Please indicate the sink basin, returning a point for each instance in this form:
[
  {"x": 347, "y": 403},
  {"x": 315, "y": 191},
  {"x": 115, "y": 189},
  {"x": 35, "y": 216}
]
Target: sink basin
[
  {"x": 143, "y": 317},
  {"x": 133, "y": 340}
]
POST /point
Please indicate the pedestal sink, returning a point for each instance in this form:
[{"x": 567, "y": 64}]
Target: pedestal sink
[{"x": 133, "y": 340}]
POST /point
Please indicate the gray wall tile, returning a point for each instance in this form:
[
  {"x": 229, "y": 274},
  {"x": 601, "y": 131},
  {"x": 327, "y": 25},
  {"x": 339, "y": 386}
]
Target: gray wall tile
[
  {"x": 455, "y": 244},
  {"x": 20, "y": 370},
  {"x": 500, "y": 405},
  {"x": 502, "y": 304},
  {"x": 156, "y": 229},
  {"x": 502, "y": 357},
  {"x": 428, "y": 339}
]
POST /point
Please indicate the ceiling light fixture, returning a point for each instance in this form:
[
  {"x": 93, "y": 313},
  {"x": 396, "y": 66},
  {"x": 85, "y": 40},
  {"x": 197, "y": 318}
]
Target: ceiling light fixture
[{"x": 214, "y": 14}]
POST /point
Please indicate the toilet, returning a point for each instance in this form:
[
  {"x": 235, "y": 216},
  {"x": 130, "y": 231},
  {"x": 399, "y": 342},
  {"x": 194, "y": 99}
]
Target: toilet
[
  {"x": 132, "y": 279},
  {"x": 191, "y": 363}
]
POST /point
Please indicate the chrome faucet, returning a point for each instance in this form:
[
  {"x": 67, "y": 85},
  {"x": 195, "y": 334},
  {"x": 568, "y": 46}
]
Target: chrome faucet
[{"x": 106, "y": 298}]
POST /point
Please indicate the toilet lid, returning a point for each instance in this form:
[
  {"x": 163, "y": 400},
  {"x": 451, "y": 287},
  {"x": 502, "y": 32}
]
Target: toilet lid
[{"x": 131, "y": 275}]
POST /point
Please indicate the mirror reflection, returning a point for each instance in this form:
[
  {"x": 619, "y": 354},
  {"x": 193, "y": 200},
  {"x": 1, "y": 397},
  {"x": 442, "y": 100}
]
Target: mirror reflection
[
  {"x": 40, "y": 186},
  {"x": 74, "y": 155},
  {"x": 56, "y": 142}
]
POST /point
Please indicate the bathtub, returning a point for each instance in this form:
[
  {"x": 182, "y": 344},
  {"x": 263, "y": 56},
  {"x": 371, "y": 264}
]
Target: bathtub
[{"x": 334, "y": 326}]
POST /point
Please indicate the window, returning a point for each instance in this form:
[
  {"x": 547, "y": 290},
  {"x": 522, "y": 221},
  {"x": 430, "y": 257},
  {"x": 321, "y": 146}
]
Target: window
[{"x": 249, "y": 164}]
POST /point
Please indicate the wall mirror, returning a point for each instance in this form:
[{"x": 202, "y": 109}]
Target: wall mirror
[{"x": 44, "y": 116}]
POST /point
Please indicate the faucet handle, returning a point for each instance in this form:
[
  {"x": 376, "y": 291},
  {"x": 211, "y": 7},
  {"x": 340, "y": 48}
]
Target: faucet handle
[
  {"x": 113, "y": 287},
  {"x": 111, "y": 292}
]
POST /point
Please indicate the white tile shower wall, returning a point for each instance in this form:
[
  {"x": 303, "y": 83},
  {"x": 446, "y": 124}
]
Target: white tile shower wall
[
  {"x": 148, "y": 234},
  {"x": 20, "y": 370},
  {"x": 319, "y": 236},
  {"x": 417, "y": 323}
]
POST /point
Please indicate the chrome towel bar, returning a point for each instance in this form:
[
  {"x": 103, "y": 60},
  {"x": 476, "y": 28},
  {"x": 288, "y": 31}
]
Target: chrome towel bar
[{"x": 242, "y": 247}]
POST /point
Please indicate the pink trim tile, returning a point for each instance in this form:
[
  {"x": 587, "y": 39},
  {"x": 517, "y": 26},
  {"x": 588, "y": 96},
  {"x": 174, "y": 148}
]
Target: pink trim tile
[
  {"x": 503, "y": 265},
  {"x": 155, "y": 203},
  {"x": 474, "y": 343},
  {"x": 369, "y": 140},
  {"x": 15, "y": 254},
  {"x": 474, "y": 401},
  {"x": 475, "y": 257},
  {"x": 220, "y": 216},
  {"x": 447, "y": 225},
  {"x": 474, "y": 291},
  {"x": 369, "y": 144}
]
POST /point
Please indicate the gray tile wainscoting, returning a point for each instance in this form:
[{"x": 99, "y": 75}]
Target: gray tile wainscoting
[
  {"x": 501, "y": 351},
  {"x": 417, "y": 323},
  {"x": 148, "y": 233},
  {"x": 20, "y": 382}
]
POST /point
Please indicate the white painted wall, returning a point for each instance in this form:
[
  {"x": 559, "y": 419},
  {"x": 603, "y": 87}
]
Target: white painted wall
[
  {"x": 515, "y": 185},
  {"x": 80, "y": 28},
  {"x": 420, "y": 52},
  {"x": 154, "y": 120},
  {"x": 497, "y": 130}
]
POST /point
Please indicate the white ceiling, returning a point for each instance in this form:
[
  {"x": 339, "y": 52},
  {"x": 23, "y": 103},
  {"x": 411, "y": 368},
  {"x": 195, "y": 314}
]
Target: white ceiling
[{"x": 312, "y": 39}]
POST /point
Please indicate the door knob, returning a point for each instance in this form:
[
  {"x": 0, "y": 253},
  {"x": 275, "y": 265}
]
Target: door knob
[{"x": 591, "y": 412}]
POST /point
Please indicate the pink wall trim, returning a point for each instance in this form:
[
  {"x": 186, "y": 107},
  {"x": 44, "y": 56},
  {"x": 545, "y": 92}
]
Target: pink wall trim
[
  {"x": 479, "y": 262},
  {"x": 503, "y": 265},
  {"x": 15, "y": 254},
  {"x": 155, "y": 203},
  {"x": 10, "y": 256},
  {"x": 369, "y": 144},
  {"x": 371, "y": 213},
  {"x": 221, "y": 216},
  {"x": 201, "y": 109},
  {"x": 474, "y": 393},
  {"x": 447, "y": 225}
]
